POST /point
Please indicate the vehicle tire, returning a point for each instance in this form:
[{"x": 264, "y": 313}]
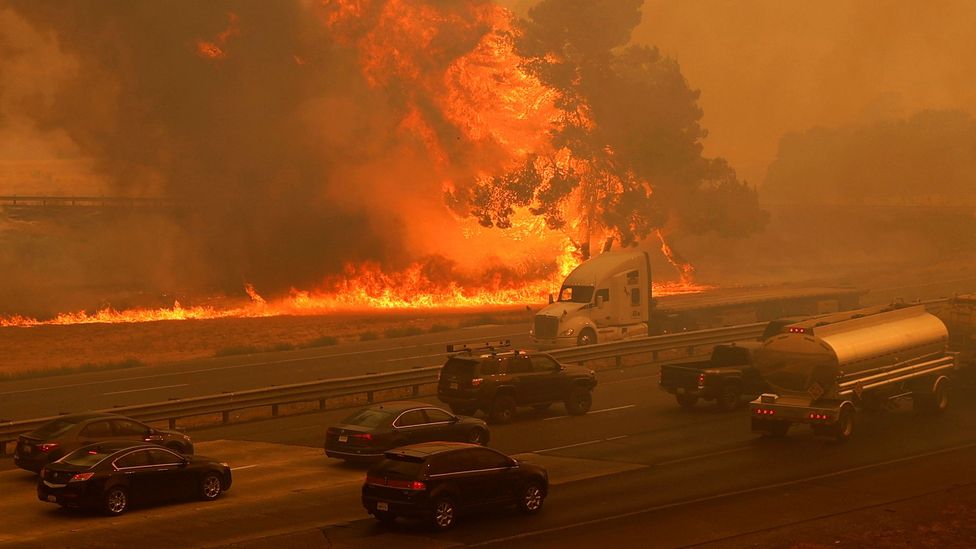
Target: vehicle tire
[
  {"x": 530, "y": 502},
  {"x": 478, "y": 436},
  {"x": 777, "y": 428},
  {"x": 729, "y": 397},
  {"x": 686, "y": 401},
  {"x": 934, "y": 402},
  {"x": 542, "y": 407},
  {"x": 462, "y": 410},
  {"x": 116, "y": 501},
  {"x": 385, "y": 517},
  {"x": 579, "y": 401},
  {"x": 502, "y": 409},
  {"x": 443, "y": 514},
  {"x": 844, "y": 428},
  {"x": 210, "y": 486},
  {"x": 586, "y": 337}
]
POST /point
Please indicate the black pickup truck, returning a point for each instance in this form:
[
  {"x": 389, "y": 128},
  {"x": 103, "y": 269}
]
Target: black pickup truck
[{"x": 725, "y": 377}]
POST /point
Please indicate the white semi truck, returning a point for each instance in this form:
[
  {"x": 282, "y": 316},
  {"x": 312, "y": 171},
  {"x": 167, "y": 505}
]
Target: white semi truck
[
  {"x": 821, "y": 372},
  {"x": 608, "y": 298}
]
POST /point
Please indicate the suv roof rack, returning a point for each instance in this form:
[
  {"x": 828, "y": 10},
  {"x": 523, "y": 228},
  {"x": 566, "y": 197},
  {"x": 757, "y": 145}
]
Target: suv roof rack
[{"x": 490, "y": 346}]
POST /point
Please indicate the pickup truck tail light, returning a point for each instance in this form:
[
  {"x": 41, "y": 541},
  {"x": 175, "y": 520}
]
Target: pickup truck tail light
[
  {"x": 701, "y": 380},
  {"x": 476, "y": 381}
]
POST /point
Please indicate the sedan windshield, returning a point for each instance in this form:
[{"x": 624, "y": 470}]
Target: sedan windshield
[
  {"x": 370, "y": 417},
  {"x": 576, "y": 294}
]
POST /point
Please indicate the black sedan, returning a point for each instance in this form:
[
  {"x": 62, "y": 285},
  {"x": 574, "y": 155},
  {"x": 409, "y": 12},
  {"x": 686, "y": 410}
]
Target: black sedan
[
  {"x": 67, "y": 433},
  {"x": 368, "y": 433},
  {"x": 112, "y": 476}
]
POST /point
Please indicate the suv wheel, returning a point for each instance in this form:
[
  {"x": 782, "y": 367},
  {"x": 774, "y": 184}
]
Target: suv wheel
[
  {"x": 443, "y": 514},
  {"x": 579, "y": 401},
  {"x": 531, "y": 500},
  {"x": 503, "y": 409}
]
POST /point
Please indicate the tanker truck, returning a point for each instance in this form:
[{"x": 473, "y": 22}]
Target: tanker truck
[{"x": 822, "y": 371}]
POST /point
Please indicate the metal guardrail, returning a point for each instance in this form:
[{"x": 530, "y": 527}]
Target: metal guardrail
[{"x": 322, "y": 390}]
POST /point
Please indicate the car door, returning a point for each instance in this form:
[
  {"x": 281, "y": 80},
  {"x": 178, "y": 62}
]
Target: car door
[
  {"x": 96, "y": 431},
  {"x": 547, "y": 374},
  {"x": 171, "y": 478},
  {"x": 441, "y": 425},
  {"x": 138, "y": 472},
  {"x": 485, "y": 475},
  {"x": 130, "y": 430},
  {"x": 410, "y": 427}
]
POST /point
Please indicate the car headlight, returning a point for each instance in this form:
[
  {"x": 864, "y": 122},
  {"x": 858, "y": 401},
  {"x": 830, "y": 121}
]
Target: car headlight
[{"x": 568, "y": 332}]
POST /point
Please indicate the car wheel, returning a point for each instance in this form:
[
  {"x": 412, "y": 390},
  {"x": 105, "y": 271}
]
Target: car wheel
[
  {"x": 686, "y": 401},
  {"x": 443, "y": 514},
  {"x": 729, "y": 398},
  {"x": 385, "y": 517},
  {"x": 210, "y": 486},
  {"x": 503, "y": 409},
  {"x": 478, "y": 436},
  {"x": 844, "y": 428},
  {"x": 463, "y": 410},
  {"x": 579, "y": 401},
  {"x": 531, "y": 500},
  {"x": 116, "y": 501},
  {"x": 586, "y": 337}
]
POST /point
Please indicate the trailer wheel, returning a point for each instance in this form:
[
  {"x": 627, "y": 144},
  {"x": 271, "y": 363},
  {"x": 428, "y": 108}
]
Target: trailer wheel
[
  {"x": 844, "y": 428},
  {"x": 935, "y": 402},
  {"x": 686, "y": 401},
  {"x": 729, "y": 397}
]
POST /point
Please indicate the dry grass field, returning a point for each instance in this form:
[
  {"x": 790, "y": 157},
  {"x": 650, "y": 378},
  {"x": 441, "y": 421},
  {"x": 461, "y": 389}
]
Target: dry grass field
[{"x": 44, "y": 348}]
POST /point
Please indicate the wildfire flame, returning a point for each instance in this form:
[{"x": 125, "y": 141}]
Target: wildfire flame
[{"x": 493, "y": 103}]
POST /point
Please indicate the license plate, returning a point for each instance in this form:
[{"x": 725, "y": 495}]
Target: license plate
[
  {"x": 343, "y": 438},
  {"x": 382, "y": 506},
  {"x": 454, "y": 386},
  {"x": 680, "y": 390},
  {"x": 52, "y": 499}
]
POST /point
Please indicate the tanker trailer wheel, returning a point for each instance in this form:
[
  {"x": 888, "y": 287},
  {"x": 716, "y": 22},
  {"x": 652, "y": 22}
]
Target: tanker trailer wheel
[
  {"x": 844, "y": 428},
  {"x": 586, "y": 337},
  {"x": 934, "y": 402}
]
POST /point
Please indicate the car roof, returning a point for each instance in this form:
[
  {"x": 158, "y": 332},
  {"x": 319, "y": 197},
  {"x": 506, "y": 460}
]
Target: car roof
[
  {"x": 426, "y": 449},
  {"x": 397, "y": 406},
  {"x": 84, "y": 416}
]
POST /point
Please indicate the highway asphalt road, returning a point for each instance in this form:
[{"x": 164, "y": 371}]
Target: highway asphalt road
[{"x": 636, "y": 471}]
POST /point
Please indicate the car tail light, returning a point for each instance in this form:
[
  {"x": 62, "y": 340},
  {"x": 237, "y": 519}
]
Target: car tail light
[
  {"x": 47, "y": 446},
  {"x": 701, "y": 380},
  {"x": 476, "y": 381},
  {"x": 81, "y": 477},
  {"x": 765, "y": 412},
  {"x": 362, "y": 436},
  {"x": 406, "y": 484},
  {"x": 379, "y": 481}
]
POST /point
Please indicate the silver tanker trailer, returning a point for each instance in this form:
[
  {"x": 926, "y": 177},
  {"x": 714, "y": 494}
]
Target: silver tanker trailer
[{"x": 823, "y": 370}]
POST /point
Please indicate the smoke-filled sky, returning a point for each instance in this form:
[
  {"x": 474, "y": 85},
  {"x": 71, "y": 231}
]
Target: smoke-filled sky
[{"x": 261, "y": 115}]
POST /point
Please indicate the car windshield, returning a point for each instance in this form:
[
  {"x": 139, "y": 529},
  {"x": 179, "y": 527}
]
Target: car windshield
[
  {"x": 54, "y": 428},
  {"x": 85, "y": 457},
  {"x": 370, "y": 417},
  {"x": 576, "y": 294}
]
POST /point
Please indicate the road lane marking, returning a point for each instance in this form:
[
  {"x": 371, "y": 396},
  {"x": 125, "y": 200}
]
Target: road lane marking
[
  {"x": 703, "y": 499},
  {"x": 145, "y": 389},
  {"x": 244, "y": 467},
  {"x": 593, "y": 412},
  {"x": 579, "y": 444},
  {"x": 702, "y": 456}
]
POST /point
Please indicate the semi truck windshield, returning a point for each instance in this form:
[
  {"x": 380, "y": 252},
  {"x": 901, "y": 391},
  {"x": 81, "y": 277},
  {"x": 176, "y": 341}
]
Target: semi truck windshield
[{"x": 576, "y": 294}]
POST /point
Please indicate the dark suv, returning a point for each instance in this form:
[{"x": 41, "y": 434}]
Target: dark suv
[
  {"x": 438, "y": 481},
  {"x": 497, "y": 383}
]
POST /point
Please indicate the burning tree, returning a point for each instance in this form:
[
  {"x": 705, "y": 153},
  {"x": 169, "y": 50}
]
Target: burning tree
[{"x": 625, "y": 159}]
